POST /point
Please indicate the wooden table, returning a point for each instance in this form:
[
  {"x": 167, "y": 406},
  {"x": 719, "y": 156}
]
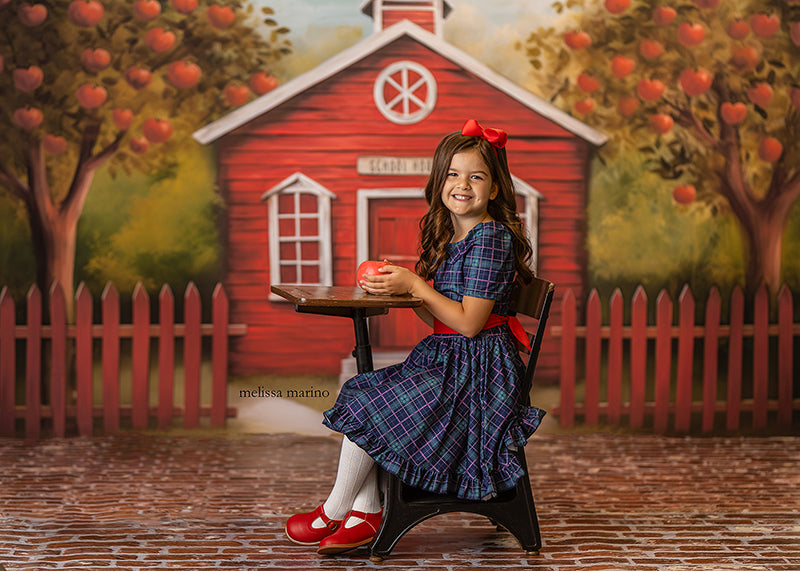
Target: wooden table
[{"x": 344, "y": 301}]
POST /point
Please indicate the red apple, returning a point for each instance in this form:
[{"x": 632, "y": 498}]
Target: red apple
[
  {"x": 85, "y": 13},
  {"x": 157, "y": 130},
  {"x": 650, "y": 89},
  {"x": 738, "y": 29},
  {"x": 651, "y": 49},
  {"x": 691, "y": 34},
  {"x": 664, "y": 15},
  {"x": 584, "y": 106},
  {"x": 368, "y": 268},
  {"x": 587, "y": 82},
  {"x": 770, "y": 149},
  {"x": 684, "y": 193},
  {"x": 220, "y": 16},
  {"x": 28, "y": 80},
  {"x": 661, "y": 123},
  {"x": 183, "y": 74},
  {"x": 261, "y": 83},
  {"x": 138, "y": 145},
  {"x": 765, "y": 25},
  {"x": 794, "y": 95},
  {"x": 91, "y": 96},
  {"x": 32, "y": 15},
  {"x": 146, "y": 10},
  {"x": 95, "y": 61},
  {"x": 628, "y": 105},
  {"x": 794, "y": 33},
  {"x": 733, "y": 113},
  {"x": 707, "y": 4},
  {"x": 617, "y": 6},
  {"x": 184, "y": 6},
  {"x": 745, "y": 57},
  {"x": 236, "y": 95},
  {"x": 28, "y": 118},
  {"x": 577, "y": 39},
  {"x": 695, "y": 82},
  {"x": 54, "y": 145},
  {"x": 760, "y": 94},
  {"x": 159, "y": 40},
  {"x": 138, "y": 77},
  {"x": 122, "y": 118},
  {"x": 622, "y": 66}
]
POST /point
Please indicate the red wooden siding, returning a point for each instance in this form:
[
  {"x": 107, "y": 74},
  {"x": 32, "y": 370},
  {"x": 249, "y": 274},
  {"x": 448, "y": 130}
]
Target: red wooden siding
[
  {"x": 321, "y": 133},
  {"x": 663, "y": 385},
  {"x": 58, "y": 335}
]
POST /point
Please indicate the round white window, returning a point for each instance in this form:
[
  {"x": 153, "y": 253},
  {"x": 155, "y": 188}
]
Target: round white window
[{"x": 405, "y": 92}]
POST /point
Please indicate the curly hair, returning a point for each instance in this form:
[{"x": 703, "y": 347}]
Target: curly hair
[{"x": 436, "y": 227}]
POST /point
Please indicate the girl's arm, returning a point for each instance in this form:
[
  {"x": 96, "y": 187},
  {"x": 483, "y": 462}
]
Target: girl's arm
[{"x": 467, "y": 317}]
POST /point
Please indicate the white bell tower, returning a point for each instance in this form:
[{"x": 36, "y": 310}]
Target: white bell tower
[{"x": 427, "y": 14}]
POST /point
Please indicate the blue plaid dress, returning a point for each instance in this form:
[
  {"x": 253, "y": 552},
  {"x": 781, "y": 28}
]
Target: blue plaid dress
[{"x": 446, "y": 418}]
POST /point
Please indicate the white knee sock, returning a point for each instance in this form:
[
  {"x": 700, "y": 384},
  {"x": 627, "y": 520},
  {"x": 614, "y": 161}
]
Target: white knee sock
[{"x": 355, "y": 479}]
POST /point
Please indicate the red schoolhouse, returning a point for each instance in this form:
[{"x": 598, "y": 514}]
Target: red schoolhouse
[{"x": 328, "y": 170}]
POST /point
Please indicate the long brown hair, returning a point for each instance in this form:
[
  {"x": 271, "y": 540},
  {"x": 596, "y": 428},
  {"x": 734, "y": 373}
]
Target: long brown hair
[{"x": 437, "y": 227}]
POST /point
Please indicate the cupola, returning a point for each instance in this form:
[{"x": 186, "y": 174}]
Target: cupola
[{"x": 427, "y": 14}]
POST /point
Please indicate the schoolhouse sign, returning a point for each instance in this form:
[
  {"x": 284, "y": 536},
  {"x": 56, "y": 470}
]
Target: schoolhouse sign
[{"x": 390, "y": 166}]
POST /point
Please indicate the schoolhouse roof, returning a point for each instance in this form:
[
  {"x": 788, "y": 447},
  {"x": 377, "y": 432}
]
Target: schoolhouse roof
[{"x": 370, "y": 45}]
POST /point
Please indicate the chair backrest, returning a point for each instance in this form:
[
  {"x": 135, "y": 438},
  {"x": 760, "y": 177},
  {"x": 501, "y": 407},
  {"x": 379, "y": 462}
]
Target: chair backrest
[{"x": 533, "y": 300}]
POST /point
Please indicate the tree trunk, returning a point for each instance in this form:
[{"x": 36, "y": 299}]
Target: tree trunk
[{"x": 764, "y": 231}]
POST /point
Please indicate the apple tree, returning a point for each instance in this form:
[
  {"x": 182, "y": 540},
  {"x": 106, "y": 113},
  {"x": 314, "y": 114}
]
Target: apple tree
[
  {"x": 708, "y": 90},
  {"x": 120, "y": 83}
]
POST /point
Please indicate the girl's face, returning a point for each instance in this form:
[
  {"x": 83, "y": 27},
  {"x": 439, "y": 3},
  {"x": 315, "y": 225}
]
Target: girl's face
[{"x": 468, "y": 187}]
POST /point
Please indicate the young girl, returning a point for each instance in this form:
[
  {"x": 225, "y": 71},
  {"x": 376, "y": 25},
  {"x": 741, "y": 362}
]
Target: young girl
[{"x": 448, "y": 418}]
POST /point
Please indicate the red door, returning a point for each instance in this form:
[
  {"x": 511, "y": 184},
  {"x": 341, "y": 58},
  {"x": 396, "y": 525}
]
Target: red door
[{"x": 394, "y": 235}]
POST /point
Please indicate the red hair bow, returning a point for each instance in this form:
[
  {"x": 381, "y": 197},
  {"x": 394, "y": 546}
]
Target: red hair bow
[{"x": 497, "y": 137}]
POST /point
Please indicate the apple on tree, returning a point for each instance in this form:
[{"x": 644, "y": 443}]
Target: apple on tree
[
  {"x": 85, "y": 13},
  {"x": 28, "y": 80},
  {"x": 122, "y": 118},
  {"x": 32, "y": 15},
  {"x": 733, "y": 113},
  {"x": 184, "y": 74},
  {"x": 157, "y": 130},
  {"x": 28, "y": 118},
  {"x": 91, "y": 96},
  {"x": 54, "y": 145},
  {"x": 220, "y": 17},
  {"x": 146, "y": 10}
]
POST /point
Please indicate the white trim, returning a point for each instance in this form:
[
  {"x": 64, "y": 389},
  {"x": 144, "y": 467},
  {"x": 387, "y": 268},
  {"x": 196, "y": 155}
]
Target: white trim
[
  {"x": 297, "y": 184},
  {"x": 405, "y": 92},
  {"x": 363, "y": 196},
  {"x": 362, "y": 49}
]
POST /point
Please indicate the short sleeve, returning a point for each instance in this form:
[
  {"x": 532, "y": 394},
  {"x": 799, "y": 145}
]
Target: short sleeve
[{"x": 488, "y": 263}]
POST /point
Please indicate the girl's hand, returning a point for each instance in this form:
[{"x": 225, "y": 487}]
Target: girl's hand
[{"x": 392, "y": 280}]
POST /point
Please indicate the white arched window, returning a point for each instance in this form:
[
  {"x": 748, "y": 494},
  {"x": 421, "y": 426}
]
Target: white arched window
[{"x": 299, "y": 211}]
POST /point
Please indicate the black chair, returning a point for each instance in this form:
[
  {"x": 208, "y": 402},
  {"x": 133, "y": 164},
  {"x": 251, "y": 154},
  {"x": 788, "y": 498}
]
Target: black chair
[{"x": 514, "y": 510}]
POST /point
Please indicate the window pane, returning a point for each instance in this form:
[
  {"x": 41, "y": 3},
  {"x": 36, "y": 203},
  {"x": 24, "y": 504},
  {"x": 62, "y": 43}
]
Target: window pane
[
  {"x": 286, "y": 227},
  {"x": 288, "y": 251},
  {"x": 288, "y": 274},
  {"x": 309, "y": 227},
  {"x": 309, "y": 251},
  {"x": 286, "y": 203},
  {"x": 308, "y": 203},
  {"x": 310, "y": 274}
]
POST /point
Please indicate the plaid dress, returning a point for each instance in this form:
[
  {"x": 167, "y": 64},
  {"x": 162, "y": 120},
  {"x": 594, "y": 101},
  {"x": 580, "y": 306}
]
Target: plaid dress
[{"x": 446, "y": 418}]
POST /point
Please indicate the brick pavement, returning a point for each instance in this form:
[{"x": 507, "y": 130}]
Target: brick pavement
[{"x": 219, "y": 500}]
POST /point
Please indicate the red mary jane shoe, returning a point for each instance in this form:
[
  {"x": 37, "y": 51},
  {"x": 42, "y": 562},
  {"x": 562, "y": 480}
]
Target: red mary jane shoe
[
  {"x": 347, "y": 538},
  {"x": 299, "y": 530}
]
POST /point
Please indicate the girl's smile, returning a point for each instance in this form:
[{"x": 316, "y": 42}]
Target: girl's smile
[{"x": 467, "y": 190}]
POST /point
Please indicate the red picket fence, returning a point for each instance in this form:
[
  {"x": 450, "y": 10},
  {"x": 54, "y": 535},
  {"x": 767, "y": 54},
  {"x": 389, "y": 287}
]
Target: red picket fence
[
  {"x": 78, "y": 339},
  {"x": 654, "y": 388}
]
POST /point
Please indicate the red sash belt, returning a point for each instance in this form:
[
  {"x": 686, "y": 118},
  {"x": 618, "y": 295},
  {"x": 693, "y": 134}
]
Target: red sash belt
[{"x": 494, "y": 320}]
